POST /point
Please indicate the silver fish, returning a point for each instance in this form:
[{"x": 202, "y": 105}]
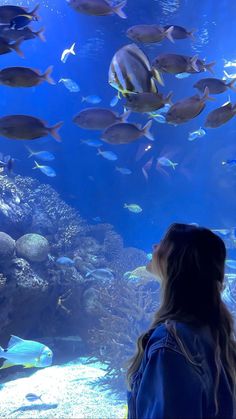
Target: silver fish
[{"x": 125, "y": 133}]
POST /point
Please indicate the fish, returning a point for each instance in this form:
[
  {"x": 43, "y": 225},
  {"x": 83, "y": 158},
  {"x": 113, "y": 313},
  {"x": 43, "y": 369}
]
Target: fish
[
  {"x": 178, "y": 32},
  {"x": 123, "y": 170},
  {"x": 71, "y": 85},
  {"x": 215, "y": 86},
  {"x": 103, "y": 274},
  {"x": 231, "y": 263},
  {"x": 125, "y": 133},
  {"x": 8, "y": 13},
  {"x": 98, "y": 7},
  {"x": 69, "y": 51},
  {"x": 24, "y": 77},
  {"x": 130, "y": 71},
  {"x": 220, "y": 116},
  {"x": 92, "y": 143},
  {"x": 175, "y": 63},
  {"x": 97, "y": 219},
  {"x": 91, "y": 99},
  {"x": 109, "y": 155},
  {"x": 26, "y": 34},
  {"x": 147, "y": 102},
  {"x": 187, "y": 109},
  {"x": 29, "y": 353},
  {"x": 46, "y": 170},
  {"x": 25, "y": 127},
  {"x": 31, "y": 397},
  {"x": 135, "y": 208},
  {"x": 7, "y": 47},
  {"x": 165, "y": 109},
  {"x": 41, "y": 155},
  {"x": 229, "y": 63},
  {"x": 64, "y": 260},
  {"x": 182, "y": 75},
  {"x": 149, "y": 33},
  {"x": 229, "y": 162},
  {"x": 98, "y": 118},
  {"x": 164, "y": 161},
  {"x": 114, "y": 101},
  {"x": 21, "y": 21},
  {"x": 196, "y": 134}
]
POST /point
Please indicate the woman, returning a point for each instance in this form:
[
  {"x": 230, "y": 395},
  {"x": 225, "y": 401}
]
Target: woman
[{"x": 185, "y": 365}]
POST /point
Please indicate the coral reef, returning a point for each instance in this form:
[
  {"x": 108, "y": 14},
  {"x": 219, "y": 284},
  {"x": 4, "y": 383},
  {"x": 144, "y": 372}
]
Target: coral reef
[{"x": 32, "y": 247}]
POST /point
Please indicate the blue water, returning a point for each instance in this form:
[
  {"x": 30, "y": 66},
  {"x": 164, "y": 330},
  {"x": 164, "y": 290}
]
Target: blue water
[{"x": 201, "y": 190}]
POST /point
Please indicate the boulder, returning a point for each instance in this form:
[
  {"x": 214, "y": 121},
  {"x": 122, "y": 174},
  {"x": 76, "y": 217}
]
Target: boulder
[
  {"x": 32, "y": 247},
  {"x": 7, "y": 248}
]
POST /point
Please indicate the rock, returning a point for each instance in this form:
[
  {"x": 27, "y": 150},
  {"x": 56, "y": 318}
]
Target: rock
[
  {"x": 7, "y": 248},
  {"x": 32, "y": 247}
]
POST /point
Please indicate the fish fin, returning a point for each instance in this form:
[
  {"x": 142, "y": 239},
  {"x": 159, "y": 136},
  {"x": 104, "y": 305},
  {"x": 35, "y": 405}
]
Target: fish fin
[
  {"x": 53, "y": 131},
  {"x": 6, "y": 364},
  {"x": 16, "y": 48},
  {"x": 72, "y": 49},
  {"x": 29, "y": 366},
  {"x": 47, "y": 75},
  {"x": 14, "y": 340},
  {"x": 231, "y": 85},
  {"x": 206, "y": 95},
  {"x": 168, "y": 34},
  {"x": 146, "y": 131},
  {"x": 209, "y": 67},
  {"x": 40, "y": 34},
  {"x": 193, "y": 63},
  {"x": 168, "y": 99},
  {"x": 33, "y": 13},
  {"x": 118, "y": 9},
  {"x": 125, "y": 116},
  {"x": 157, "y": 75}
]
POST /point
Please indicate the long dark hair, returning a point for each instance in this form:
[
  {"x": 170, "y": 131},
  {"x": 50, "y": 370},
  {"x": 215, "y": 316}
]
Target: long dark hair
[{"x": 190, "y": 261}]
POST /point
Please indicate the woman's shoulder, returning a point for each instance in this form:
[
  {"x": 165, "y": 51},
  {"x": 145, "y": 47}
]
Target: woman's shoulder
[{"x": 175, "y": 335}]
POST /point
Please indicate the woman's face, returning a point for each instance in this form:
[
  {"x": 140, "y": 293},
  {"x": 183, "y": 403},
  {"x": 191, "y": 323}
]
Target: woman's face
[{"x": 152, "y": 266}]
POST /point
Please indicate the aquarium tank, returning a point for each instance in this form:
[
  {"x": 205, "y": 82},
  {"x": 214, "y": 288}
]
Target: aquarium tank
[{"x": 117, "y": 119}]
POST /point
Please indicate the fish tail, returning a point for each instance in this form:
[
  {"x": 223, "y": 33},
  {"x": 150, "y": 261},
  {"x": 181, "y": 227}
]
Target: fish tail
[
  {"x": 126, "y": 206},
  {"x": 47, "y": 75},
  {"x": 72, "y": 49},
  {"x": 146, "y": 131},
  {"x": 37, "y": 166},
  {"x": 209, "y": 67},
  {"x": 118, "y": 9},
  {"x": 31, "y": 152},
  {"x": 226, "y": 74},
  {"x": 1, "y": 352},
  {"x": 99, "y": 152},
  {"x": 16, "y": 47},
  {"x": 33, "y": 13},
  {"x": 168, "y": 34},
  {"x": 168, "y": 99},
  {"x": 174, "y": 164},
  {"x": 40, "y": 34},
  {"x": 83, "y": 99},
  {"x": 193, "y": 63},
  {"x": 231, "y": 85},
  {"x": 125, "y": 116},
  {"x": 157, "y": 76},
  {"x": 191, "y": 34},
  {"x": 53, "y": 131}
]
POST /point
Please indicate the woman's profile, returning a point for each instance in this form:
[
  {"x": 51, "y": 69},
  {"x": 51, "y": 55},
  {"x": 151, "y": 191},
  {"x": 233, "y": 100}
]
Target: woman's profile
[{"x": 185, "y": 364}]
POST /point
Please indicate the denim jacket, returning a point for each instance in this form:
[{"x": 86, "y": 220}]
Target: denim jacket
[{"x": 167, "y": 385}]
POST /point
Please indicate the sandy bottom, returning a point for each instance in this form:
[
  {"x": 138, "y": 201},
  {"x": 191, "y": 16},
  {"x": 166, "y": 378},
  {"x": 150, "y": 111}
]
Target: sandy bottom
[{"x": 66, "y": 392}]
